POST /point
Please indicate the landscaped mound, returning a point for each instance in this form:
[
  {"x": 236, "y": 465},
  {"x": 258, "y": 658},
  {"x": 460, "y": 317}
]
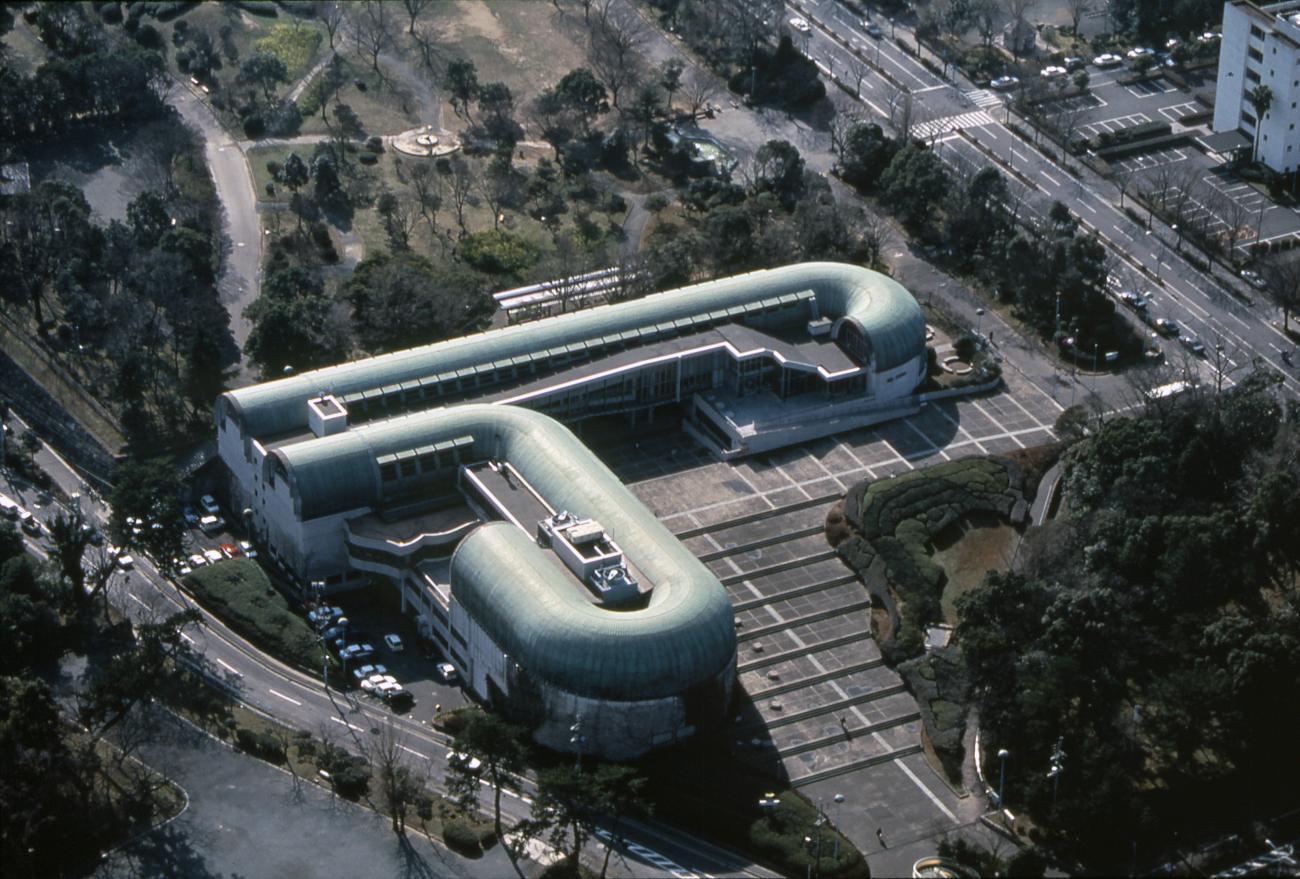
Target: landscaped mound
[
  {"x": 883, "y": 532},
  {"x": 238, "y": 592},
  {"x": 890, "y": 525}
]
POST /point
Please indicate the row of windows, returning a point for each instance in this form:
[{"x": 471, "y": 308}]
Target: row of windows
[{"x": 427, "y": 464}]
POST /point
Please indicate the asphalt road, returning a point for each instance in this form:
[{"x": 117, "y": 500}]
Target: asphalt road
[
  {"x": 349, "y": 719},
  {"x": 1220, "y": 310}
]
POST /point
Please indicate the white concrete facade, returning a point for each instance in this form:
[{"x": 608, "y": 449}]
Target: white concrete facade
[{"x": 1261, "y": 46}]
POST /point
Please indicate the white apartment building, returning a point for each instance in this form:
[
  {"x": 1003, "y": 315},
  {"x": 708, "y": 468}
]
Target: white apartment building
[{"x": 1261, "y": 46}]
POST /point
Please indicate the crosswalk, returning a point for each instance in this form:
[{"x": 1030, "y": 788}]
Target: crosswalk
[
  {"x": 983, "y": 98},
  {"x": 935, "y": 127}
]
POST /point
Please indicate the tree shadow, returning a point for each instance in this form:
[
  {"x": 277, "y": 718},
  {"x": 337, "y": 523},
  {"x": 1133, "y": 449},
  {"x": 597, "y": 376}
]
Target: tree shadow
[
  {"x": 166, "y": 852},
  {"x": 414, "y": 865}
]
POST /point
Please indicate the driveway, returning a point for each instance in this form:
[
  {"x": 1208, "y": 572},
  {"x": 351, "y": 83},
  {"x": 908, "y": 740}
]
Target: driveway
[{"x": 241, "y": 278}]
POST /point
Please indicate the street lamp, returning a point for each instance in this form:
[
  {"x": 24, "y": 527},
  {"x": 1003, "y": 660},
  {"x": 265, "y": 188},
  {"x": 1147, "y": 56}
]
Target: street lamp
[
  {"x": 1094, "y": 368},
  {"x": 1003, "y": 754},
  {"x": 577, "y": 739},
  {"x": 979, "y": 315},
  {"x": 839, "y": 800},
  {"x": 1058, "y": 766}
]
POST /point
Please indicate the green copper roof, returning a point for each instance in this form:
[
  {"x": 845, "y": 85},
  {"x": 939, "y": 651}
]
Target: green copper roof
[
  {"x": 882, "y": 307},
  {"x": 520, "y": 597}
]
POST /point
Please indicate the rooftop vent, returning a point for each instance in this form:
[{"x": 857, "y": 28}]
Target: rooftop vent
[
  {"x": 326, "y": 415},
  {"x": 614, "y": 584}
]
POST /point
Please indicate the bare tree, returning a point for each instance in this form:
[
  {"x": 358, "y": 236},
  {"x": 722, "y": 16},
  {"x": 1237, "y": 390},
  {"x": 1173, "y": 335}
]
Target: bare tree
[
  {"x": 413, "y": 9},
  {"x": 372, "y": 29},
  {"x": 1282, "y": 283},
  {"x": 1237, "y": 217},
  {"x": 857, "y": 71},
  {"x": 698, "y": 91},
  {"x": 1077, "y": 9},
  {"x": 614, "y": 52},
  {"x": 987, "y": 15},
  {"x": 398, "y": 785},
  {"x": 900, "y": 106},
  {"x": 331, "y": 14},
  {"x": 841, "y": 125},
  {"x": 460, "y": 186},
  {"x": 426, "y": 187},
  {"x": 1122, "y": 176}
]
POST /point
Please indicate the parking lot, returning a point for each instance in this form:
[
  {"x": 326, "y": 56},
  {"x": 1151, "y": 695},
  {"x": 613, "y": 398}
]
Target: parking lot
[
  {"x": 1154, "y": 159},
  {"x": 1112, "y": 124}
]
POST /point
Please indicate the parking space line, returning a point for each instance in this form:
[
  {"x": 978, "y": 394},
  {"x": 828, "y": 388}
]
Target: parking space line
[
  {"x": 960, "y": 429},
  {"x": 933, "y": 448}
]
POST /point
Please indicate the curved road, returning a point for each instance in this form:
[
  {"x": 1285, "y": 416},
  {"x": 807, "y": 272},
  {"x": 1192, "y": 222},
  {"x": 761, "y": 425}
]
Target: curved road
[{"x": 241, "y": 270}]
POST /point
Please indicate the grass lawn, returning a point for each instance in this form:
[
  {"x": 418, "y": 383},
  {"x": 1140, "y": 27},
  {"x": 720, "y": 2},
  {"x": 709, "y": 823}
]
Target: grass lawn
[
  {"x": 967, "y": 550},
  {"x": 259, "y": 156},
  {"x": 384, "y": 106},
  {"x": 239, "y": 592}
]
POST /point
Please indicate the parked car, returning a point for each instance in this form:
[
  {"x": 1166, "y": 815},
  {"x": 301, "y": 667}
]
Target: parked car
[
  {"x": 1107, "y": 59},
  {"x": 1074, "y": 63},
  {"x": 398, "y": 697},
  {"x": 211, "y": 524},
  {"x": 464, "y": 761},
  {"x": 323, "y": 615},
  {"x": 191, "y": 517},
  {"x": 1053, "y": 71},
  {"x": 393, "y": 643},
  {"x": 212, "y": 556},
  {"x": 1139, "y": 52},
  {"x": 336, "y": 633},
  {"x": 247, "y": 549},
  {"x": 800, "y": 25},
  {"x": 229, "y": 550},
  {"x": 1193, "y": 344},
  {"x": 354, "y": 652},
  {"x": 182, "y": 567},
  {"x": 1253, "y": 278},
  {"x": 125, "y": 562},
  {"x": 874, "y": 31},
  {"x": 447, "y": 672},
  {"x": 1165, "y": 327},
  {"x": 197, "y": 561},
  {"x": 8, "y": 507},
  {"x": 1004, "y": 83},
  {"x": 29, "y": 523},
  {"x": 209, "y": 505},
  {"x": 367, "y": 671},
  {"x": 372, "y": 681}
]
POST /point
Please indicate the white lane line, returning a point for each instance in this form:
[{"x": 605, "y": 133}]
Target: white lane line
[
  {"x": 1088, "y": 206},
  {"x": 228, "y": 667},
  {"x": 282, "y": 696},
  {"x": 925, "y": 790},
  {"x": 1049, "y": 177},
  {"x": 344, "y": 723},
  {"x": 136, "y": 599},
  {"x": 411, "y": 751},
  {"x": 187, "y": 638},
  {"x": 1020, "y": 157}
]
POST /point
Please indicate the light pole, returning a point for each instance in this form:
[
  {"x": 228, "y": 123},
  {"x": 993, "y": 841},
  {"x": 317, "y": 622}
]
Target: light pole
[
  {"x": 1003, "y": 754},
  {"x": 1094, "y": 368},
  {"x": 839, "y": 800},
  {"x": 577, "y": 739},
  {"x": 1058, "y": 765},
  {"x": 979, "y": 321}
]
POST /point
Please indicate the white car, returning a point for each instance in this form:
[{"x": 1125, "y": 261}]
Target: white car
[
  {"x": 213, "y": 556},
  {"x": 447, "y": 672},
  {"x": 197, "y": 561},
  {"x": 1107, "y": 59},
  {"x": 125, "y": 562},
  {"x": 393, "y": 643},
  {"x": 247, "y": 549},
  {"x": 211, "y": 524},
  {"x": 1253, "y": 278},
  {"x": 1004, "y": 83},
  {"x": 465, "y": 761},
  {"x": 1139, "y": 52},
  {"x": 1053, "y": 71},
  {"x": 376, "y": 680},
  {"x": 800, "y": 25}
]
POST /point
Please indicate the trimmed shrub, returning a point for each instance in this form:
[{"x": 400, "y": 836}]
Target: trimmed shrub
[
  {"x": 497, "y": 252},
  {"x": 260, "y": 744},
  {"x": 461, "y": 838}
]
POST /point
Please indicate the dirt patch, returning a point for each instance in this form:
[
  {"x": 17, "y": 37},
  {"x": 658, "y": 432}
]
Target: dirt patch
[{"x": 967, "y": 550}]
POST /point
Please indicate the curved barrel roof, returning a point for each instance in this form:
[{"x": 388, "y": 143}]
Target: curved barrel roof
[
  {"x": 882, "y": 307},
  {"x": 686, "y": 634}
]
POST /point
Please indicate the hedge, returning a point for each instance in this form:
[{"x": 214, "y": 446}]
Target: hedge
[
  {"x": 467, "y": 839},
  {"x": 239, "y": 593}
]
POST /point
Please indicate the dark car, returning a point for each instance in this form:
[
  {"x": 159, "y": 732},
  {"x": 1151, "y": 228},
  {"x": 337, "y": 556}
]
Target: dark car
[
  {"x": 1193, "y": 344},
  {"x": 1165, "y": 327}
]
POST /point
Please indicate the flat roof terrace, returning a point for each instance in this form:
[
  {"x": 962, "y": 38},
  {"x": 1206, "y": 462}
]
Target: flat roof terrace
[{"x": 525, "y": 508}]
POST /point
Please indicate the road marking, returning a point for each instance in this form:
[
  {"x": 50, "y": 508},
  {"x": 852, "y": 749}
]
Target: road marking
[
  {"x": 136, "y": 599},
  {"x": 228, "y": 667},
  {"x": 654, "y": 857},
  {"x": 925, "y": 790},
  {"x": 411, "y": 751},
  {"x": 1049, "y": 177},
  {"x": 1088, "y": 206},
  {"x": 278, "y": 693},
  {"x": 1020, "y": 157},
  {"x": 341, "y": 722},
  {"x": 187, "y": 638}
]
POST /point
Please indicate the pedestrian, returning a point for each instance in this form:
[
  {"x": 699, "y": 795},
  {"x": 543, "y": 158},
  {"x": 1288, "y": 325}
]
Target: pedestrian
[
  {"x": 880, "y": 837},
  {"x": 437, "y": 709}
]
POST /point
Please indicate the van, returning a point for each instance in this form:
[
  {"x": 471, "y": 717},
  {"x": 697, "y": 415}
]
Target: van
[{"x": 8, "y": 508}]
